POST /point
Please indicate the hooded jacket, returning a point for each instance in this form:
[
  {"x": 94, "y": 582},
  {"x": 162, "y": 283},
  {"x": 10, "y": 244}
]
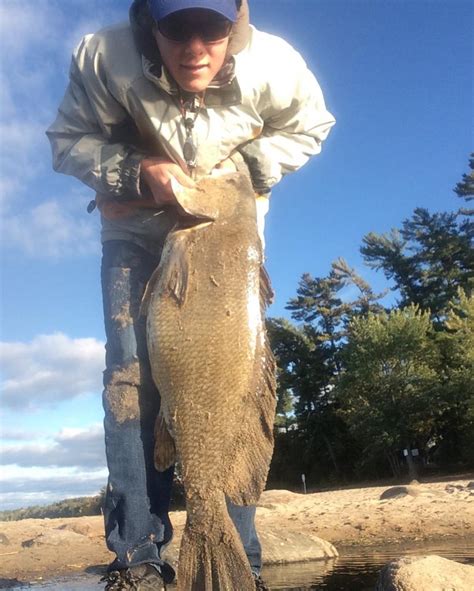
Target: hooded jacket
[{"x": 121, "y": 105}]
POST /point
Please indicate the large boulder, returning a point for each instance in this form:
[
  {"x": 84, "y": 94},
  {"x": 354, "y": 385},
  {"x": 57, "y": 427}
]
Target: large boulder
[
  {"x": 426, "y": 573},
  {"x": 280, "y": 546},
  {"x": 412, "y": 490}
]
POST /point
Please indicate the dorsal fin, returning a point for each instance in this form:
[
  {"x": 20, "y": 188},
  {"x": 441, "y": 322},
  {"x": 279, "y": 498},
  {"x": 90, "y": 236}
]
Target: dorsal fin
[{"x": 253, "y": 447}]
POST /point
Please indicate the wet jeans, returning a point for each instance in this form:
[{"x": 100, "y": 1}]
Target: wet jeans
[{"x": 137, "y": 500}]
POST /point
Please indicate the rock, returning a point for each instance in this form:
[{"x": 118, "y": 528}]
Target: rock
[
  {"x": 84, "y": 529},
  {"x": 53, "y": 537},
  {"x": 4, "y": 540},
  {"x": 280, "y": 547},
  {"x": 396, "y": 492},
  {"x": 426, "y": 573},
  {"x": 452, "y": 488},
  {"x": 270, "y": 498},
  {"x": 11, "y": 583}
]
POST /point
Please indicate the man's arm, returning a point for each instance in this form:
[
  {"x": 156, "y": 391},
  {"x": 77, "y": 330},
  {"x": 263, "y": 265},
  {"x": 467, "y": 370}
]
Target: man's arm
[
  {"x": 93, "y": 137},
  {"x": 83, "y": 138},
  {"x": 296, "y": 122}
]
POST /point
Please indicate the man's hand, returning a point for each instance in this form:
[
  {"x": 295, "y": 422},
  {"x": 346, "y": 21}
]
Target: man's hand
[{"x": 157, "y": 174}]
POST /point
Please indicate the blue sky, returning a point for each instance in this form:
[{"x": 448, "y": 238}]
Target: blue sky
[{"x": 396, "y": 74}]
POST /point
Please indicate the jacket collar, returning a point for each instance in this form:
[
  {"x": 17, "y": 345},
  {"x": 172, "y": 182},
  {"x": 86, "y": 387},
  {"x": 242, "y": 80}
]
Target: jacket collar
[{"x": 224, "y": 90}]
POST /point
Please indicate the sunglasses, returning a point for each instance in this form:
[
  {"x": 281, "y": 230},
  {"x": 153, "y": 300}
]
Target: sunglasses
[{"x": 182, "y": 28}]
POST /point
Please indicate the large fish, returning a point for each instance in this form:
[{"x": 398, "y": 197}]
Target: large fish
[{"x": 215, "y": 372}]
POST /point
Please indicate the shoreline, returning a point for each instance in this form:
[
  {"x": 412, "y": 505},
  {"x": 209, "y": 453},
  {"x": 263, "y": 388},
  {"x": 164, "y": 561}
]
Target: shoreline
[{"x": 289, "y": 525}]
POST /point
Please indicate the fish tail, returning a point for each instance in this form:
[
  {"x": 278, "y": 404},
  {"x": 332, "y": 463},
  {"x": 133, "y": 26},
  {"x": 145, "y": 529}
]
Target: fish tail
[{"x": 212, "y": 557}]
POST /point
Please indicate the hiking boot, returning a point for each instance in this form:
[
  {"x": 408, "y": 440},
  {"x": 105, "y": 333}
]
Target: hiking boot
[
  {"x": 143, "y": 577},
  {"x": 260, "y": 583}
]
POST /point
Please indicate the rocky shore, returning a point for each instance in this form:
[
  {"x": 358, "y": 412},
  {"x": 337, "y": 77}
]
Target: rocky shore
[{"x": 293, "y": 527}]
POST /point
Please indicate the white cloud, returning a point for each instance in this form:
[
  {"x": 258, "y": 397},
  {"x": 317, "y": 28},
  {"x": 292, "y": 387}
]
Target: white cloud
[
  {"x": 23, "y": 23},
  {"x": 15, "y": 434},
  {"x": 22, "y": 487},
  {"x": 36, "y": 41},
  {"x": 71, "y": 448},
  {"x": 70, "y": 464},
  {"x": 51, "y": 230},
  {"x": 49, "y": 369}
]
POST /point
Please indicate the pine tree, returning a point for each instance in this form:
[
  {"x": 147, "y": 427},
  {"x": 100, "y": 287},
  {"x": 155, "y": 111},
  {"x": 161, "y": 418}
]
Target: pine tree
[
  {"x": 428, "y": 259},
  {"x": 431, "y": 256},
  {"x": 465, "y": 188}
]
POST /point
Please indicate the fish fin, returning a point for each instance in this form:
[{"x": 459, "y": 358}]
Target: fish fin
[
  {"x": 165, "y": 450},
  {"x": 172, "y": 272},
  {"x": 266, "y": 291},
  {"x": 253, "y": 447},
  {"x": 175, "y": 267},
  {"x": 211, "y": 557},
  {"x": 146, "y": 298}
]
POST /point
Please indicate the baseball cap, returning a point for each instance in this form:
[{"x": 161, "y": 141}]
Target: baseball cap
[{"x": 163, "y": 8}]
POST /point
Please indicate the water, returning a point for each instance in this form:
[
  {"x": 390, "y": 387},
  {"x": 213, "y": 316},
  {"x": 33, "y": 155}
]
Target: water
[{"x": 356, "y": 569}]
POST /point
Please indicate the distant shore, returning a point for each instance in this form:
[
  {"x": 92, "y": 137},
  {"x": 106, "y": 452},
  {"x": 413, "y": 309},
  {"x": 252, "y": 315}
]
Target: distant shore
[{"x": 40, "y": 549}]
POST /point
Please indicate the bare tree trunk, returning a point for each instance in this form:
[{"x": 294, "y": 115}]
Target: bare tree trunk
[
  {"x": 331, "y": 454},
  {"x": 394, "y": 463},
  {"x": 412, "y": 469}
]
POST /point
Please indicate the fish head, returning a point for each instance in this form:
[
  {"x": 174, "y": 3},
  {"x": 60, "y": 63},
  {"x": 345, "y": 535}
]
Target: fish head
[
  {"x": 193, "y": 203},
  {"x": 224, "y": 197}
]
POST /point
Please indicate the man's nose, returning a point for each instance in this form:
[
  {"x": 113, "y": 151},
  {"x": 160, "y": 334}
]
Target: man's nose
[{"x": 196, "y": 45}]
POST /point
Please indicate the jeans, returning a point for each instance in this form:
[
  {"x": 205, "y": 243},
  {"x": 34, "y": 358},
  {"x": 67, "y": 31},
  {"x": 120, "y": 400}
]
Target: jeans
[{"x": 137, "y": 499}]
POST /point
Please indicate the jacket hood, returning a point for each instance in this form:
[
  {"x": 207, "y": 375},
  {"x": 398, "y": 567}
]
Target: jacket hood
[{"x": 141, "y": 23}]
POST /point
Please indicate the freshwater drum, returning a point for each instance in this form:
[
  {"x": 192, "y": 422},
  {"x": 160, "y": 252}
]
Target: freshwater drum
[{"x": 212, "y": 364}]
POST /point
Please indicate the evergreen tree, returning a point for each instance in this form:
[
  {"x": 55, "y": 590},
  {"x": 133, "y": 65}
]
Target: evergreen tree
[
  {"x": 431, "y": 256},
  {"x": 308, "y": 361},
  {"x": 302, "y": 367},
  {"x": 465, "y": 188},
  {"x": 320, "y": 306},
  {"x": 428, "y": 259}
]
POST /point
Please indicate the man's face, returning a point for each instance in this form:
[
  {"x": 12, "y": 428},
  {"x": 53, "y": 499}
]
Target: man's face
[{"x": 195, "y": 59}]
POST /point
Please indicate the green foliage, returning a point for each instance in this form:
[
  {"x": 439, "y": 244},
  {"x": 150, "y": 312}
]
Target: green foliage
[
  {"x": 389, "y": 393},
  {"x": 456, "y": 345},
  {"x": 358, "y": 384},
  {"x": 465, "y": 188},
  {"x": 302, "y": 367},
  {"x": 428, "y": 259},
  {"x": 308, "y": 364},
  {"x": 321, "y": 307},
  {"x": 76, "y": 507},
  {"x": 284, "y": 410},
  {"x": 431, "y": 256}
]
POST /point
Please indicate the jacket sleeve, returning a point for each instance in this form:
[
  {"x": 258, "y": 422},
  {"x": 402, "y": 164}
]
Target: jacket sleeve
[
  {"x": 296, "y": 122},
  {"x": 87, "y": 136}
]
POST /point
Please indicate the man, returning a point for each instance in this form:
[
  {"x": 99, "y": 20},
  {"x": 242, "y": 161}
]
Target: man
[{"x": 186, "y": 88}]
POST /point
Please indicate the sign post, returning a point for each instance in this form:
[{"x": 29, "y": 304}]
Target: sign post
[{"x": 303, "y": 479}]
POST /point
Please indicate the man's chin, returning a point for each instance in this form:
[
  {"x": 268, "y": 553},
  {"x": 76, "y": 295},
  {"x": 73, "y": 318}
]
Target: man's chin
[{"x": 193, "y": 85}]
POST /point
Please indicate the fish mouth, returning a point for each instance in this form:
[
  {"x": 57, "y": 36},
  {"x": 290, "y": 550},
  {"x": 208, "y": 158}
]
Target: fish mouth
[{"x": 192, "y": 206}]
